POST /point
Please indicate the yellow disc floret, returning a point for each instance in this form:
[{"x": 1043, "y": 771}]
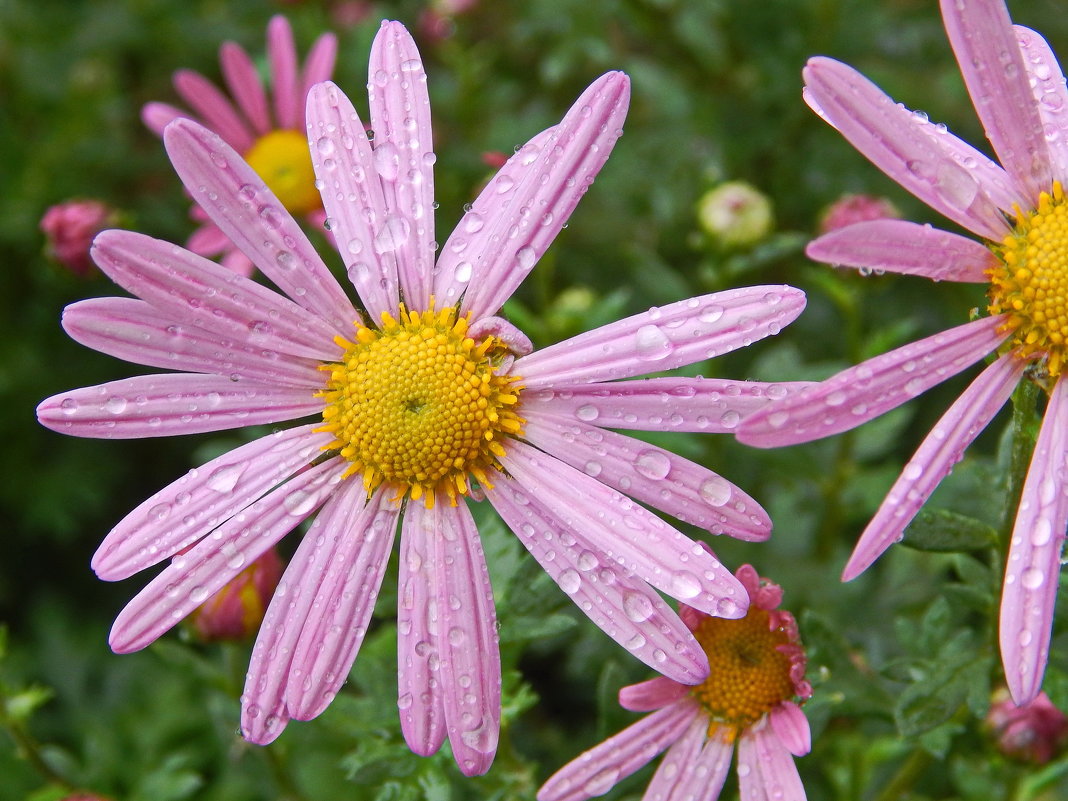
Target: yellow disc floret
[
  {"x": 1030, "y": 283},
  {"x": 418, "y": 405},
  {"x": 750, "y": 670},
  {"x": 282, "y": 159}
]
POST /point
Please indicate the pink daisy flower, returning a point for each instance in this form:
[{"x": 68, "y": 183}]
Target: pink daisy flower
[
  {"x": 267, "y": 132},
  {"x": 424, "y": 401},
  {"x": 750, "y": 698},
  {"x": 1019, "y": 212}
]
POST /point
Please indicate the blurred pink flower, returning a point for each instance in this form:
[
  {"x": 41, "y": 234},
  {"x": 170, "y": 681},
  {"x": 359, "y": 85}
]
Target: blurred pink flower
[
  {"x": 419, "y": 401},
  {"x": 268, "y": 133},
  {"x": 69, "y": 228},
  {"x": 750, "y": 698},
  {"x": 1021, "y": 213},
  {"x": 851, "y": 209},
  {"x": 236, "y": 611},
  {"x": 1034, "y": 732}
]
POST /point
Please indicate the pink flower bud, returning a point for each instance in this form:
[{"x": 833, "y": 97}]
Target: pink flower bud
[
  {"x": 69, "y": 228},
  {"x": 235, "y": 611},
  {"x": 850, "y": 209},
  {"x": 1034, "y": 732}
]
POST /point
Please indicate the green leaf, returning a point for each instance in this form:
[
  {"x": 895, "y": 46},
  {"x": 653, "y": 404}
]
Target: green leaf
[{"x": 943, "y": 531}]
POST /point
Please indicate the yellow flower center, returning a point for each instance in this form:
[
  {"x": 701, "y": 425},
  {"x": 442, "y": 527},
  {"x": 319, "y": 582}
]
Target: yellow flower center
[
  {"x": 283, "y": 161},
  {"x": 418, "y": 405},
  {"x": 750, "y": 670},
  {"x": 1031, "y": 282}
]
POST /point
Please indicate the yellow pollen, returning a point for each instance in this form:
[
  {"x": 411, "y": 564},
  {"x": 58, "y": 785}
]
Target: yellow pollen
[
  {"x": 418, "y": 405},
  {"x": 1030, "y": 283},
  {"x": 750, "y": 671},
  {"x": 282, "y": 159}
]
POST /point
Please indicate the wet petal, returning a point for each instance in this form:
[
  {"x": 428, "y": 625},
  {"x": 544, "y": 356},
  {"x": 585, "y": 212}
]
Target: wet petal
[
  {"x": 651, "y": 695},
  {"x": 766, "y": 771},
  {"x": 791, "y": 727},
  {"x": 156, "y": 116},
  {"x": 319, "y": 65},
  {"x": 213, "y": 107},
  {"x": 1051, "y": 96},
  {"x": 243, "y": 81},
  {"x": 695, "y": 767}
]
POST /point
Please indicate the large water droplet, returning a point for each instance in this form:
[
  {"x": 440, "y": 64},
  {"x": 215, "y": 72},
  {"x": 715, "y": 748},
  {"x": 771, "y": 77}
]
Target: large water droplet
[
  {"x": 716, "y": 491},
  {"x": 653, "y": 464},
  {"x": 685, "y": 584},
  {"x": 637, "y": 607},
  {"x": 387, "y": 161},
  {"x": 392, "y": 236},
  {"x": 651, "y": 343},
  {"x": 569, "y": 581},
  {"x": 225, "y": 478},
  {"x": 299, "y": 502}
]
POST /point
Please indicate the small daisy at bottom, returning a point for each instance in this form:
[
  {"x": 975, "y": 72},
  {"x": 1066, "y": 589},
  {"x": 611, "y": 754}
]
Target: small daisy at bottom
[{"x": 751, "y": 698}]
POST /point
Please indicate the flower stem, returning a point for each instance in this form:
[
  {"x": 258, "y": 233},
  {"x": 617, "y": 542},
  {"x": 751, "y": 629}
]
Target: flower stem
[
  {"x": 901, "y": 784},
  {"x": 30, "y": 750}
]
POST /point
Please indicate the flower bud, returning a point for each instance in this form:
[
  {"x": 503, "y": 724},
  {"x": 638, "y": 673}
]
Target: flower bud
[
  {"x": 850, "y": 209},
  {"x": 235, "y": 611},
  {"x": 69, "y": 228},
  {"x": 1034, "y": 732},
  {"x": 735, "y": 214}
]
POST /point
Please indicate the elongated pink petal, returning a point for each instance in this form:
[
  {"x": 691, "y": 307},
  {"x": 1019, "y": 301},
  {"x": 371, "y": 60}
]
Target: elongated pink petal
[
  {"x": 898, "y": 246},
  {"x": 171, "y": 404},
  {"x": 696, "y": 772},
  {"x": 214, "y": 108},
  {"x": 420, "y": 696},
  {"x": 525, "y": 216},
  {"x": 861, "y": 393},
  {"x": 940, "y": 450},
  {"x": 282, "y": 55},
  {"x": 1033, "y": 566},
  {"x": 710, "y": 405},
  {"x": 193, "y": 577},
  {"x": 404, "y": 156},
  {"x": 187, "y": 509},
  {"x": 651, "y": 695},
  {"x": 263, "y": 707},
  {"x": 679, "y": 760},
  {"x": 1051, "y": 96},
  {"x": 619, "y": 603},
  {"x": 627, "y": 533},
  {"x": 598, "y": 770},
  {"x": 766, "y": 771},
  {"x": 208, "y": 240},
  {"x": 343, "y": 604},
  {"x": 137, "y": 332},
  {"x": 890, "y": 137},
  {"x": 238, "y": 201},
  {"x": 662, "y": 339},
  {"x": 652, "y": 475},
  {"x": 791, "y": 727},
  {"x": 990, "y": 61},
  {"x": 156, "y": 116},
  {"x": 243, "y": 81},
  {"x": 319, "y": 65},
  {"x": 345, "y": 164}
]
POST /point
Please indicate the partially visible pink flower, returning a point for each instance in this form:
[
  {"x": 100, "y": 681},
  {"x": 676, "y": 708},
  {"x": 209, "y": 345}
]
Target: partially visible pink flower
[
  {"x": 69, "y": 228},
  {"x": 236, "y": 611},
  {"x": 1020, "y": 212},
  {"x": 1034, "y": 732},
  {"x": 268, "y": 131},
  {"x": 851, "y": 209},
  {"x": 350, "y": 13},
  {"x": 750, "y": 698}
]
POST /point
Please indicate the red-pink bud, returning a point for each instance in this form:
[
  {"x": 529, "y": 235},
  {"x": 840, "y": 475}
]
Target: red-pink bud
[
  {"x": 1035, "y": 732},
  {"x": 850, "y": 209},
  {"x": 235, "y": 611},
  {"x": 69, "y": 229}
]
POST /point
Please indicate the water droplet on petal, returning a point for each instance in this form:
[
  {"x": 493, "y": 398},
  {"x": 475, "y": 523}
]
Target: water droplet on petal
[
  {"x": 587, "y": 412},
  {"x": 637, "y": 607},
  {"x": 653, "y": 464},
  {"x": 716, "y": 491},
  {"x": 225, "y": 478},
  {"x": 685, "y": 584},
  {"x": 651, "y": 343},
  {"x": 569, "y": 581}
]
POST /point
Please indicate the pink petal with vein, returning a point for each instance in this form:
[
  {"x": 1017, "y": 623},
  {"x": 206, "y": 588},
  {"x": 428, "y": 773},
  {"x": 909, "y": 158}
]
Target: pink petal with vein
[
  {"x": 861, "y": 393},
  {"x": 1033, "y": 567},
  {"x": 934, "y": 460},
  {"x": 156, "y": 116},
  {"x": 208, "y": 240},
  {"x": 319, "y": 64},
  {"x": 694, "y": 768},
  {"x": 651, "y": 695},
  {"x": 766, "y": 770},
  {"x": 1051, "y": 97},
  {"x": 214, "y": 108},
  {"x": 243, "y": 81},
  {"x": 791, "y": 727},
  {"x": 282, "y": 55}
]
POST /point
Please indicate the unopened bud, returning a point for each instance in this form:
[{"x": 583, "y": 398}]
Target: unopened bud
[
  {"x": 735, "y": 214},
  {"x": 235, "y": 611}
]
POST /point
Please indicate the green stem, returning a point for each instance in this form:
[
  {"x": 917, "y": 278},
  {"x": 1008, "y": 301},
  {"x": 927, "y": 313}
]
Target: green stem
[
  {"x": 31, "y": 751},
  {"x": 902, "y": 782}
]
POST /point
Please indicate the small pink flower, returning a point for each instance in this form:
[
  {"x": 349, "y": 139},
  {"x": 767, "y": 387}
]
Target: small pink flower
[
  {"x": 236, "y": 611},
  {"x": 851, "y": 209},
  {"x": 1020, "y": 212},
  {"x": 267, "y": 132},
  {"x": 69, "y": 229},
  {"x": 1034, "y": 732},
  {"x": 750, "y": 698}
]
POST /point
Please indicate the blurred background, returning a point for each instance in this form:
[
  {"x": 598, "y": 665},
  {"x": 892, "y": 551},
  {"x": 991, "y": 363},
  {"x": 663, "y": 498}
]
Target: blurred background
[{"x": 721, "y": 177}]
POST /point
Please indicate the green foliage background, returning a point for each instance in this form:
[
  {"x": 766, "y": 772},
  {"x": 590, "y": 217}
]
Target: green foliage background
[{"x": 903, "y": 659}]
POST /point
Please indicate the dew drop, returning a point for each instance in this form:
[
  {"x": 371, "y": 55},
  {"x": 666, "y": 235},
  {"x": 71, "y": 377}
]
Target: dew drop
[
  {"x": 652, "y": 344},
  {"x": 387, "y": 161},
  {"x": 653, "y": 464},
  {"x": 602, "y": 782},
  {"x": 569, "y": 581},
  {"x": 115, "y": 404},
  {"x": 463, "y": 272},
  {"x": 716, "y": 491},
  {"x": 587, "y": 412},
  {"x": 526, "y": 257},
  {"x": 637, "y": 607},
  {"x": 299, "y": 502},
  {"x": 1032, "y": 578},
  {"x": 685, "y": 584},
  {"x": 225, "y": 478}
]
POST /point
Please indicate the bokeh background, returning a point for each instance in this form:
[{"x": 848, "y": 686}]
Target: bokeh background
[{"x": 903, "y": 659}]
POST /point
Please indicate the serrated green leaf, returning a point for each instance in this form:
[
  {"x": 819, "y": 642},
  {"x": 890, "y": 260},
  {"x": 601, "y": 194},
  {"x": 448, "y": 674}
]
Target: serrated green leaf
[{"x": 943, "y": 531}]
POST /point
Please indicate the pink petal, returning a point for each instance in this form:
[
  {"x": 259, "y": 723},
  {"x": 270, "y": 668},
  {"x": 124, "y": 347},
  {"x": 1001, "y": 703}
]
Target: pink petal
[
  {"x": 171, "y": 404},
  {"x": 344, "y": 600},
  {"x": 214, "y": 108},
  {"x": 156, "y": 116},
  {"x": 899, "y": 246},
  {"x": 990, "y": 61},
  {"x": 695, "y": 767},
  {"x": 282, "y": 55},
  {"x": 652, "y": 475},
  {"x": 528, "y": 209},
  {"x": 263, "y": 707},
  {"x": 710, "y": 405},
  {"x": 651, "y": 695},
  {"x": 598, "y": 770},
  {"x": 766, "y": 771},
  {"x": 663, "y": 339},
  {"x": 319, "y": 65},
  {"x": 627, "y": 533},
  {"x": 184, "y": 511},
  {"x": 891, "y": 138},
  {"x": 934, "y": 460},
  {"x": 620, "y": 604},
  {"x": 238, "y": 201},
  {"x": 403, "y": 156},
  {"x": 1033, "y": 567},
  {"x": 861, "y": 393},
  {"x": 345, "y": 164},
  {"x": 196, "y": 575},
  {"x": 243, "y": 81},
  {"x": 1051, "y": 96},
  {"x": 208, "y": 240},
  {"x": 791, "y": 727},
  {"x": 135, "y": 331}
]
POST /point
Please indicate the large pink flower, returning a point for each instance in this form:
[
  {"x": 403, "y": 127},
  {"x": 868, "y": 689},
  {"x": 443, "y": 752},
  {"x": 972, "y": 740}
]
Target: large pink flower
[
  {"x": 267, "y": 132},
  {"x": 1019, "y": 210},
  {"x": 425, "y": 400},
  {"x": 750, "y": 697}
]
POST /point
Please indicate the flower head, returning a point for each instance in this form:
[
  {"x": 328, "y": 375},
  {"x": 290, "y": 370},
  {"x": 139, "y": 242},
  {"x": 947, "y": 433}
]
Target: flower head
[
  {"x": 421, "y": 402},
  {"x": 69, "y": 228},
  {"x": 267, "y": 131},
  {"x": 1018, "y": 210},
  {"x": 750, "y": 698},
  {"x": 1033, "y": 732}
]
